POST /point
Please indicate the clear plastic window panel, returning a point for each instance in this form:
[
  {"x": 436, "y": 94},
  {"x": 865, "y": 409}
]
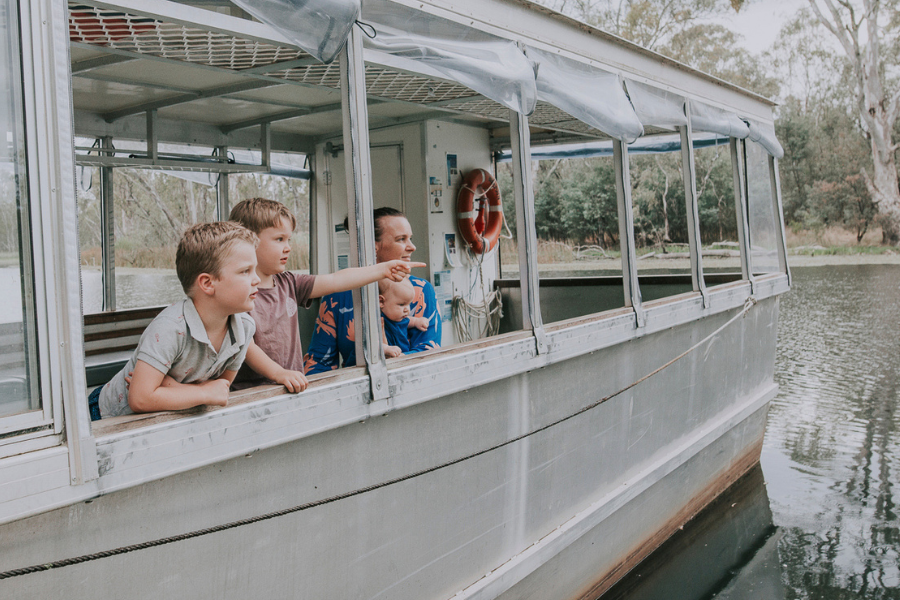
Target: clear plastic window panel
[
  {"x": 576, "y": 216},
  {"x": 18, "y": 357},
  {"x": 719, "y": 238},
  {"x": 660, "y": 222},
  {"x": 763, "y": 238}
]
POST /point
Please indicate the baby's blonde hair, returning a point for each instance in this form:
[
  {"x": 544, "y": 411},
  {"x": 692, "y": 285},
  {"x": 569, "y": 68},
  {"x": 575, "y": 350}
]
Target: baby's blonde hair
[
  {"x": 205, "y": 246},
  {"x": 257, "y": 214},
  {"x": 405, "y": 287}
]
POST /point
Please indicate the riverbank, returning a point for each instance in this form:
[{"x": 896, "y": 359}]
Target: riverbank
[{"x": 650, "y": 265}]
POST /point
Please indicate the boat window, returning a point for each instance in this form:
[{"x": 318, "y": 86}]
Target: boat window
[
  {"x": 660, "y": 218},
  {"x": 718, "y": 212},
  {"x": 19, "y": 394},
  {"x": 150, "y": 210},
  {"x": 761, "y": 210},
  {"x": 578, "y": 253}
]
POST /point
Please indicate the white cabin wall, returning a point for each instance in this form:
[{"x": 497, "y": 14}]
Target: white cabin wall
[
  {"x": 424, "y": 176},
  {"x": 471, "y": 146}
]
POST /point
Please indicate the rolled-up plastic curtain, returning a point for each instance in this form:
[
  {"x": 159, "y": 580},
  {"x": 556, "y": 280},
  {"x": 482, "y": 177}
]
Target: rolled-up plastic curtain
[
  {"x": 764, "y": 135},
  {"x": 591, "y": 95},
  {"x": 716, "y": 120},
  {"x": 411, "y": 40},
  {"x": 655, "y": 107},
  {"x": 320, "y": 27}
]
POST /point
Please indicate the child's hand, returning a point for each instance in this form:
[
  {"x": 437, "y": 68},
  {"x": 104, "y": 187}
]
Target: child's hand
[
  {"x": 420, "y": 323},
  {"x": 215, "y": 392},
  {"x": 392, "y": 351},
  {"x": 294, "y": 381},
  {"x": 398, "y": 270}
]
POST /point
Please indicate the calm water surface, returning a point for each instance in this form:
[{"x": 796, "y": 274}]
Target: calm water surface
[{"x": 820, "y": 520}]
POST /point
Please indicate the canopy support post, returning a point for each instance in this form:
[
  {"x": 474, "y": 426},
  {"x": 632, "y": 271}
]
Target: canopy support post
[
  {"x": 526, "y": 231},
  {"x": 367, "y": 316},
  {"x": 152, "y": 137},
  {"x": 223, "y": 202},
  {"x": 778, "y": 207},
  {"x": 626, "y": 233},
  {"x": 107, "y": 229},
  {"x": 692, "y": 209},
  {"x": 740, "y": 202}
]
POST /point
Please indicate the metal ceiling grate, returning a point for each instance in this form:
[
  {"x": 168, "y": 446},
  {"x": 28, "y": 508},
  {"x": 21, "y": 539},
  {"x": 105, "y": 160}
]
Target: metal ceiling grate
[
  {"x": 383, "y": 83},
  {"x": 544, "y": 115},
  {"x": 122, "y": 31},
  {"x": 142, "y": 35}
]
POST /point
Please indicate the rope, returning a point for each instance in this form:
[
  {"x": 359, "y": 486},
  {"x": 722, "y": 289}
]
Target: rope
[{"x": 265, "y": 517}]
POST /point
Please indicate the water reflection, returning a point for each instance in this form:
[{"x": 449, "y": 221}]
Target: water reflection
[
  {"x": 730, "y": 549},
  {"x": 831, "y": 448},
  {"x": 830, "y": 462}
]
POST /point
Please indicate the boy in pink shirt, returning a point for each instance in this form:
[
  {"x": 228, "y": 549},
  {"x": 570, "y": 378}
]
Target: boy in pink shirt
[{"x": 277, "y": 355}]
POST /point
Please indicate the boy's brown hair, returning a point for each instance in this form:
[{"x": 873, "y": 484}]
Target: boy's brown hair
[
  {"x": 205, "y": 246},
  {"x": 257, "y": 214}
]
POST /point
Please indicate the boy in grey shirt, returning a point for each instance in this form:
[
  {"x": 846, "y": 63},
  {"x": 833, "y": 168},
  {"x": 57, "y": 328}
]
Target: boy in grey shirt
[{"x": 190, "y": 353}]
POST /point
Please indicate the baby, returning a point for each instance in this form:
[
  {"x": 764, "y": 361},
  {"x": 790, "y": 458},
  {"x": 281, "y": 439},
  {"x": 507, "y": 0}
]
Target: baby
[{"x": 394, "y": 297}]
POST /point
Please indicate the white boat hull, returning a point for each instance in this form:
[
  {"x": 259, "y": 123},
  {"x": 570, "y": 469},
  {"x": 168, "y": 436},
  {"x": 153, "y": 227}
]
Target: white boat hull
[{"x": 563, "y": 513}]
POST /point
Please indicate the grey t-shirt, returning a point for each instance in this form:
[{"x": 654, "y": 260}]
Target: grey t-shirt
[
  {"x": 176, "y": 343},
  {"x": 277, "y": 328}
]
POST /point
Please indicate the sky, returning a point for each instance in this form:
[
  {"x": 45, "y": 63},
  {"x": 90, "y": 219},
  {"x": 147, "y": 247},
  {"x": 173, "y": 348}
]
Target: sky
[{"x": 759, "y": 21}]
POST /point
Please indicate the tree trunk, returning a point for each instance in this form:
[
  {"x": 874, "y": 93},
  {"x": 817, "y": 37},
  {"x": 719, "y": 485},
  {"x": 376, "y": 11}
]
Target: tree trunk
[
  {"x": 878, "y": 111},
  {"x": 884, "y": 187}
]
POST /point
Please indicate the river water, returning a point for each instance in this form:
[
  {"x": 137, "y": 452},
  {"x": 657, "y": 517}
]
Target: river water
[{"x": 820, "y": 519}]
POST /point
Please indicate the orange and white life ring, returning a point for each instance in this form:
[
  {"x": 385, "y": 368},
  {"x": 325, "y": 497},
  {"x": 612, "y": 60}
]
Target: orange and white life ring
[{"x": 480, "y": 226}]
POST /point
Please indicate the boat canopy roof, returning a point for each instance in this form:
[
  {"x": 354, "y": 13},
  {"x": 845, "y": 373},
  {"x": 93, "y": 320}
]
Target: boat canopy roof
[{"x": 226, "y": 75}]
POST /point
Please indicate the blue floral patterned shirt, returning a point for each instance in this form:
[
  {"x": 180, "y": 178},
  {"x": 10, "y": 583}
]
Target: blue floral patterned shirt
[{"x": 334, "y": 343}]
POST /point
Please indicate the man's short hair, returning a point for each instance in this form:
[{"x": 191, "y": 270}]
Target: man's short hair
[
  {"x": 205, "y": 246},
  {"x": 257, "y": 214}
]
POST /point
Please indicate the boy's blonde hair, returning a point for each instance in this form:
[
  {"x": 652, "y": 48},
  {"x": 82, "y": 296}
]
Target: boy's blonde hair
[
  {"x": 404, "y": 289},
  {"x": 257, "y": 214},
  {"x": 205, "y": 246}
]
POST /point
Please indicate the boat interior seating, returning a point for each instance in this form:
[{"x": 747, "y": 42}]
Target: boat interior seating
[{"x": 111, "y": 337}]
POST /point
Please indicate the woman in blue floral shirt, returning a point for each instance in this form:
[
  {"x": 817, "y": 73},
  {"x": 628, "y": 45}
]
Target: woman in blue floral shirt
[{"x": 333, "y": 343}]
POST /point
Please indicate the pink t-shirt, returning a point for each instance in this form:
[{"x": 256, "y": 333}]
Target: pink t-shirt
[{"x": 277, "y": 329}]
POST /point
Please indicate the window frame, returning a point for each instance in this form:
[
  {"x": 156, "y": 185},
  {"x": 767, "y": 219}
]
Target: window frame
[{"x": 38, "y": 423}]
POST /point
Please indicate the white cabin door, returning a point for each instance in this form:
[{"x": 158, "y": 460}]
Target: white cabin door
[{"x": 387, "y": 190}]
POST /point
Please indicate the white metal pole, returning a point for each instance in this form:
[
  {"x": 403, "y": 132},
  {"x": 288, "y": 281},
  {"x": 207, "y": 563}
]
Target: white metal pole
[
  {"x": 362, "y": 227},
  {"x": 692, "y": 209},
  {"x": 740, "y": 203},
  {"x": 778, "y": 208},
  {"x": 223, "y": 202},
  {"x": 107, "y": 231},
  {"x": 526, "y": 230},
  {"x": 626, "y": 232}
]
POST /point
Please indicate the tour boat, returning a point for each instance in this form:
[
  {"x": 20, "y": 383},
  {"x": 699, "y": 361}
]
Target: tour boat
[{"x": 538, "y": 454}]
